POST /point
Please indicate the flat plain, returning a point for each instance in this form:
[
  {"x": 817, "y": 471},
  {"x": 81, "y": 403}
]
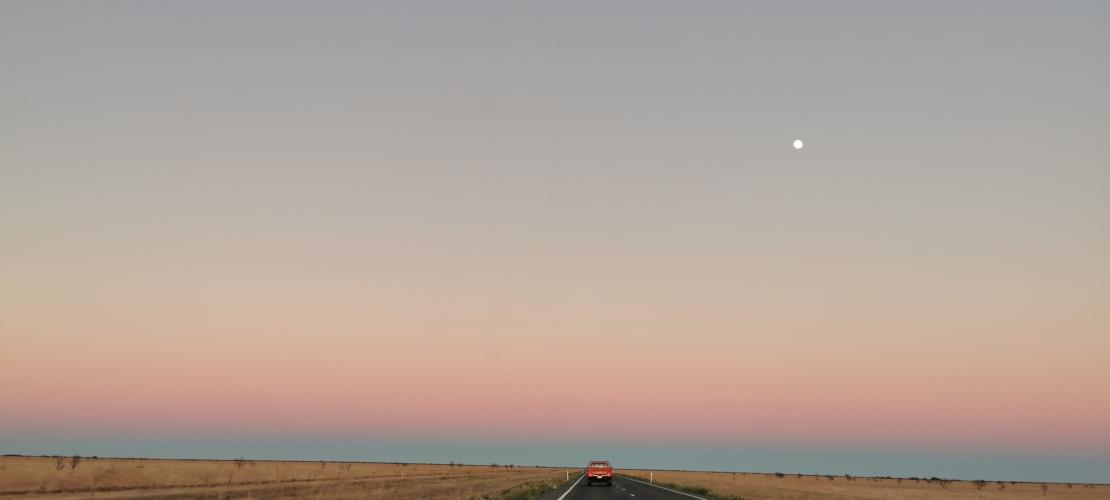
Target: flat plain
[{"x": 60, "y": 477}]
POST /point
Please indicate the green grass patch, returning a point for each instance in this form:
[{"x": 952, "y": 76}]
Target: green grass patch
[{"x": 527, "y": 491}]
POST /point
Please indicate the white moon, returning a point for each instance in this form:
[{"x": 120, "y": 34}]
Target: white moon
[{"x": 798, "y": 144}]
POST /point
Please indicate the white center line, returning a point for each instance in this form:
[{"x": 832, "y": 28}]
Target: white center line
[{"x": 565, "y": 493}]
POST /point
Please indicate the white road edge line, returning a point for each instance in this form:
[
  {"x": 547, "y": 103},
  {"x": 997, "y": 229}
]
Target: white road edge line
[
  {"x": 565, "y": 493},
  {"x": 662, "y": 488}
]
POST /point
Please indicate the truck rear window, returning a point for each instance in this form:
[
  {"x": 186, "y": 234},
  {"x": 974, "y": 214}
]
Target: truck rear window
[{"x": 600, "y": 465}]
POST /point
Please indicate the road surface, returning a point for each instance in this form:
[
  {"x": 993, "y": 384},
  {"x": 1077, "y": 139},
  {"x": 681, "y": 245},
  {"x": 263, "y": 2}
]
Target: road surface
[{"x": 623, "y": 488}]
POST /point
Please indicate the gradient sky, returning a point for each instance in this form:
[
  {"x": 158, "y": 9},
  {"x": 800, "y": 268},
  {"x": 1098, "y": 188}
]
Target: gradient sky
[{"x": 548, "y": 232}]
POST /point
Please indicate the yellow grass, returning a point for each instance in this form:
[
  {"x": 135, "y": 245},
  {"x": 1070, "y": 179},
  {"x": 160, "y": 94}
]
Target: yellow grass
[
  {"x": 754, "y": 486},
  {"x": 135, "y": 478}
]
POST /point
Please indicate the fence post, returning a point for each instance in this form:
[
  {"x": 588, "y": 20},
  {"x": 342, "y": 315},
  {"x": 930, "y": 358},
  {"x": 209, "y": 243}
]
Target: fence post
[{"x": 651, "y": 477}]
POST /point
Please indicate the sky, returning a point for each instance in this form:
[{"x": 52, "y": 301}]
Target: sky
[{"x": 544, "y": 233}]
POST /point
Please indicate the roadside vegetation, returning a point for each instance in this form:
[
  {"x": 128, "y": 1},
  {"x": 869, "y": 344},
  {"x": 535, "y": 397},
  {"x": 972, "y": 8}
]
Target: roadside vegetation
[
  {"x": 529, "y": 491},
  {"x": 246, "y": 478},
  {"x": 688, "y": 488}
]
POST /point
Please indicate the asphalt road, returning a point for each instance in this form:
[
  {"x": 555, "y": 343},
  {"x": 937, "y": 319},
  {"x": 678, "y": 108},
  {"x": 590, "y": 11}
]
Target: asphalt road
[{"x": 622, "y": 488}]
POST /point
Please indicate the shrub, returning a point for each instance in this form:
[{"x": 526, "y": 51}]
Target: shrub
[
  {"x": 780, "y": 475},
  {"x": 74, "y": 460},
  {"x": 979, "y": 484}
]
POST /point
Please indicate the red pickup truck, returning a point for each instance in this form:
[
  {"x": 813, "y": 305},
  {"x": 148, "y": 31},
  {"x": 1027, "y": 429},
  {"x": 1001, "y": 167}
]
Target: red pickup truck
[{"x": 599, "y": 471}]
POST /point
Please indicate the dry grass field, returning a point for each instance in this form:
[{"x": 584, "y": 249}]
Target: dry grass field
[
  {"x": 757, "y": 486},
  {"x": 188, "y": 479}
]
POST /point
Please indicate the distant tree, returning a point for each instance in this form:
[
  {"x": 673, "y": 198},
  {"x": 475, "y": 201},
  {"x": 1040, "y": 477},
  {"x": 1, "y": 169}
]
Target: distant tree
[
  {"x": 73, "y": 461},
  {"x": 1001, "y": 485},
  {"x": 979, "y": 484},
  {"x": 59, "y": 462},
  {"x": 830, "y": 478},
  {"x": 240, "y": 463},
  {"x": 780, "y": 475}
]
